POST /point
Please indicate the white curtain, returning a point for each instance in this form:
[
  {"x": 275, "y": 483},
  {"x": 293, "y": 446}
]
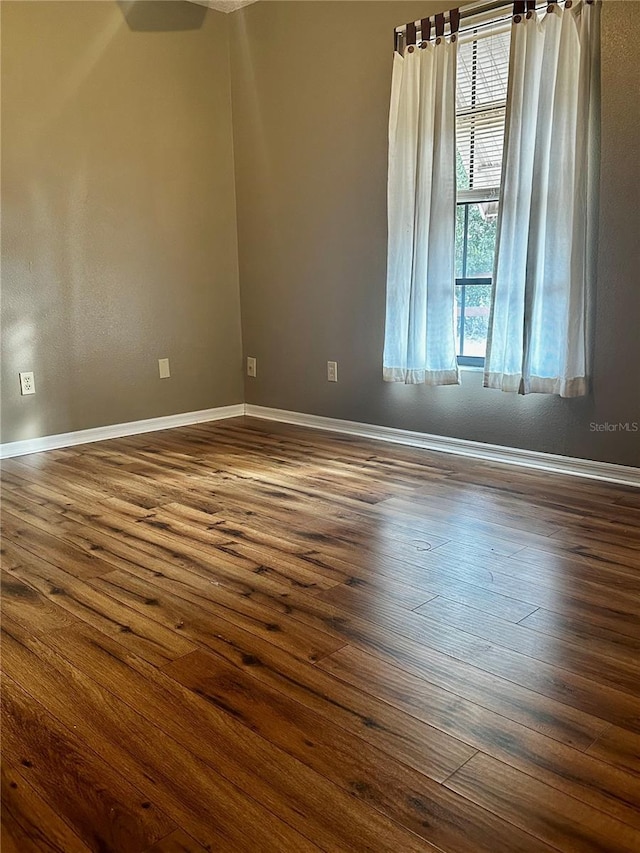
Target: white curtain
[
  {"x": 543, "y": 270},
  {"x": 420, "y": 322}
]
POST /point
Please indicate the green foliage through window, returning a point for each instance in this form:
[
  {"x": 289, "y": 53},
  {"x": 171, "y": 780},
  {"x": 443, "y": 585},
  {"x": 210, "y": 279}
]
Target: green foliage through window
[{"x": 475, "y": 250}]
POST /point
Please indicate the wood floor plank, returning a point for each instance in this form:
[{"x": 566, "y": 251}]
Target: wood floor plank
[
  {"x": 579, "y": 578},
  {"x": 449, "y": 501},
  {"x": 395, "y": 790},
  {"x": 496, "y": 538},
  {"x": 51, "y": 548},
  {"x": 200, "y": 617},
  {"x": 559, "y": 651},
  {"x": 257, "y": 538},
  {"x": 458, "y": 579},
  {"x": 176, "y": 778},
  {"x": 29, "y": 607},
  {"x": 416, "y": 744},
  {"x": 145, "y": 636},
  {"x": 552, "y": 681},
  {"x": 100, "y": 806},
  {"x": 490, "y": 602},
  {"x": 81, "y": 485},
  {"x": 563, "y": 594},
  {"x": 561, "y": 625},
  {"x": 231, "y": 601},
  {"x": 387, "y": 583},
  {"x": 283, "y": 638},
  {"x": 177, "y": 842},
  {"x": 562, "y": 721},
  {"x": 619, "y": 747},
  {"x": 558, "y": 765},
  {"x": 279, "y": 782},
  {"x": 266, "y": 555},
  {"x": 29, "y": 824},
  {"x": 553, "y": 817}
]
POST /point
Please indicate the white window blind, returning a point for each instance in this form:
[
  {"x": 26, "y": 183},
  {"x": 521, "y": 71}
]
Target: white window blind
[{"x": 483, "y": 67}]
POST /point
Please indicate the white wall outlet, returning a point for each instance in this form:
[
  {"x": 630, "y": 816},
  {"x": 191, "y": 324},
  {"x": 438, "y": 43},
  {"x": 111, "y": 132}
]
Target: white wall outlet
[
  {"x": 27, "y": 383},
  {"x": 332, "y": 371},
  {"x": 163, "y": 367},
  {"x": 252, "y": 366}
]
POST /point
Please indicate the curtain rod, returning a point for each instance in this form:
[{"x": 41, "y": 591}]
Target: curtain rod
[
  {"x": 475, "y": 10},
  {"x": 469, "y": 11}
]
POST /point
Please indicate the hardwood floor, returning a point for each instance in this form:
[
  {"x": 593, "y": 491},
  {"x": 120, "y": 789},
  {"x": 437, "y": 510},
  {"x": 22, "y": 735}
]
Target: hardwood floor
[{"x": 246, "y": 636}]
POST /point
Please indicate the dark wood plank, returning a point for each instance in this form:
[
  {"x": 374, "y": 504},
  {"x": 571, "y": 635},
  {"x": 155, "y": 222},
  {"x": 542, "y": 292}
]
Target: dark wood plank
[
  {"x": 145, "y": 636},
  {"x": 619, "y": 747},
  {"x": 558, "y": 684},
  {"x": 551, "y": 717},
  {"x": 556, "y": 764},
  {"x": 265, "y": 773},
  {"x": 177, "y": 842},
  {"x": 349, "y": 629},
  {"x": 29, "y": 824},
  {"x": 27, "y": 606},
  {"x": 549, "y": 815},
  {"x": 99, "y": 805},
  {"x": 177, "y": 779},
  {"x": 581, "y": 659},
  {"x": 394, "y": 789}
]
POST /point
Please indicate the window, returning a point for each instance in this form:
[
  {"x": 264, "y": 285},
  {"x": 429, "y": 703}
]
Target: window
[
  {"x": 483, "y": 66},
  {"x": 514, "y": 262}
]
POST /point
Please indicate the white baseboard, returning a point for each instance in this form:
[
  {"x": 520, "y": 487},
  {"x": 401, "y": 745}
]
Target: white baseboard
[
  {"x": 607, "y": 471},
  {"x": 85, "y": 436}
]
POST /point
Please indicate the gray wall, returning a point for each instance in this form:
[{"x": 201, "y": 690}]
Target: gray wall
[
  {"x": 310, "y": 99},
  {"x": 118, "y": 207},
  {"x": 119, "y": 222}
]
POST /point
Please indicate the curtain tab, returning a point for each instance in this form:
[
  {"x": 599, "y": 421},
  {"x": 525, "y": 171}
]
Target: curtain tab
[
  {"x": 411, "y": 33},
  {"x": 454, "y": 20},
  {"x": 425, "y": 30},
  {"x": 440, "y": 24}
]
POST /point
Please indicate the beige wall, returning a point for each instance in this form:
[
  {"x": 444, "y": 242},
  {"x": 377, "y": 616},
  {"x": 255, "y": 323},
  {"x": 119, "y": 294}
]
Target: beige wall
[
  {"x": 118, "y": 206},
  {"x": 310, "y": 92}
]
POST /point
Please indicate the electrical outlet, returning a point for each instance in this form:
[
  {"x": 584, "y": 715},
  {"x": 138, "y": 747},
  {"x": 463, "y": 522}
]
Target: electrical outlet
[
  {"x": 163, "y": 367},
  {"x": 27, "y": 383},
  {"x": 252, "y": 367},
  {"x": 332, "y": 371}
]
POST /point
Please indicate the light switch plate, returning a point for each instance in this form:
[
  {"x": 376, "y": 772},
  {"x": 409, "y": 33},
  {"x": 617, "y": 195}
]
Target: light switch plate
[{"x": 163, "y": 367}]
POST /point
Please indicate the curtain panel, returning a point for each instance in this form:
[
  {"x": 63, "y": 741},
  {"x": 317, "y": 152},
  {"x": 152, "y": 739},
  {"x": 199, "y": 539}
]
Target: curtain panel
[
  {"x": 420, "y": 320},
  {"x": 544, "y": 268}
]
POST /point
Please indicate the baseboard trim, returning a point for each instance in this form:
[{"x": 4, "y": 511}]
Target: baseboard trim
[
  {"x": 607, "y": 471},
  {"x": 86, "y": 436}
]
